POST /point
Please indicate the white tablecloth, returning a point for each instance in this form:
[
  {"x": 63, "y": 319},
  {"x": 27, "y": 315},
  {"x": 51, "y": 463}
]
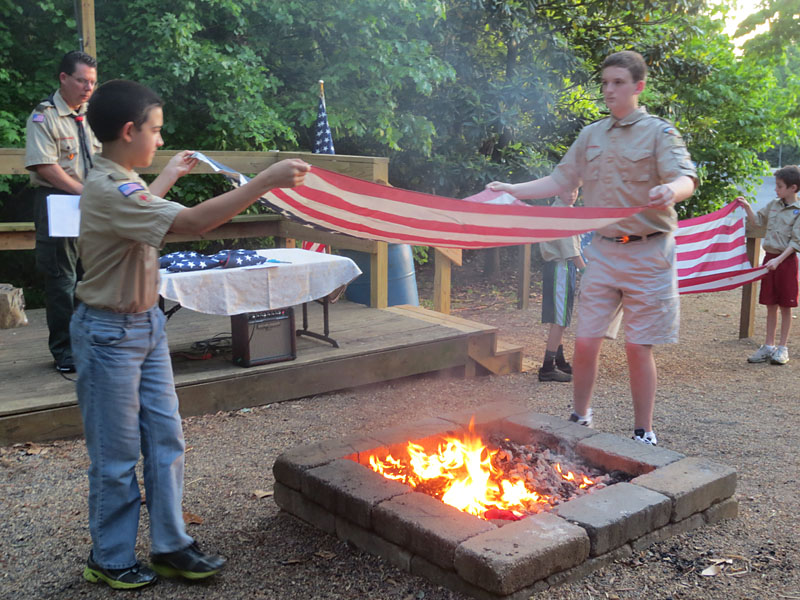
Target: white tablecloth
[{"x": 304, "y": 277}]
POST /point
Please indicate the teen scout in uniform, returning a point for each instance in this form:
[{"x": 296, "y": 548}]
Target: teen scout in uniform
[
  {"x": 59, "y": 147},
  {"x": 781, "y": 243},
  {"x": 628, "y": 159},
  {"x": 125, "y": 387}
]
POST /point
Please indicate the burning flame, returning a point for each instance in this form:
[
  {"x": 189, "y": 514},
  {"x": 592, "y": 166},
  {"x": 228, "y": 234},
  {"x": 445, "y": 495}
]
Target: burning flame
[{"x": 462, "y": 474}]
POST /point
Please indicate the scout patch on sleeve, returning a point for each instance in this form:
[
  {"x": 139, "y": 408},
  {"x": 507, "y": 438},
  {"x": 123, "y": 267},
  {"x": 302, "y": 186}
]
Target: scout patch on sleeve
[
  {"x": 126, "y": 189},
  {"x": 38, "y": 118}
]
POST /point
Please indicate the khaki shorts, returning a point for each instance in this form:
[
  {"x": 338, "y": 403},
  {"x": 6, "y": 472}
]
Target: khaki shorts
[{"x": 636, "y": 280}]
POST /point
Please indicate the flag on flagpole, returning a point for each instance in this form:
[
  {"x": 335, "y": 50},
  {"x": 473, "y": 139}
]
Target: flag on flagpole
[{"x": 323, "y": 144}]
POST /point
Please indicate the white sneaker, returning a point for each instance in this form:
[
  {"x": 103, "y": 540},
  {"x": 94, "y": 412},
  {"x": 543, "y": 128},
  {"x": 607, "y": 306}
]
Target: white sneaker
[
  {"x": 648, "y": 438},
  {"x": 780, "y": 356},
  {"x": 763, "y": 354},
  {"x": 585, "y": 421}
]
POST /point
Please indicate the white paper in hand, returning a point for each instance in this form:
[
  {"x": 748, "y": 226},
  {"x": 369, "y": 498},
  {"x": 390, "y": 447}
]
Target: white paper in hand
[{"x": 63, "y": 215}]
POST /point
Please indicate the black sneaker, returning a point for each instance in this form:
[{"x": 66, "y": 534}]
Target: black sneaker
[
  {"x": 120, "y": 579},
  {"x": 191, "y": 563},
  {"x": 554, "y": 375},
  {"x": 65, "y": 365},
  {"x": 564, "y": 366}
]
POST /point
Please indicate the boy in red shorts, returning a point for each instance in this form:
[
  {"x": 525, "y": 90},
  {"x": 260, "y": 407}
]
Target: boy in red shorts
[{"x": 780, "y": 287}]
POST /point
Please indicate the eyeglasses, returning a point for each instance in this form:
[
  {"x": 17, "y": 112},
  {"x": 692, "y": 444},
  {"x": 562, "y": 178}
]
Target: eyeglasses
[{"x": 85, "y": 82}]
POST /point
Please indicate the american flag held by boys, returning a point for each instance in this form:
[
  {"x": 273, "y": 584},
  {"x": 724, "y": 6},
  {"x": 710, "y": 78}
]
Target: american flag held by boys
[{"x": 711, "y": 249}]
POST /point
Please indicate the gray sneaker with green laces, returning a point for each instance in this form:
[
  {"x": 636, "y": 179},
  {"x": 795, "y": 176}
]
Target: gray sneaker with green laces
[{"x": 763, "y": 354}]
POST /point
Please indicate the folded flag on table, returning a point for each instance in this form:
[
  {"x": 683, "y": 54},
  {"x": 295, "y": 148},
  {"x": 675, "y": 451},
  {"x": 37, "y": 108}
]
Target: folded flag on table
[
  {"x": 229, "y": 259},
  {"x": 181, "y": 262},
  {"x": 198, "y": 263},
  {"x": 172, "y": 257}
]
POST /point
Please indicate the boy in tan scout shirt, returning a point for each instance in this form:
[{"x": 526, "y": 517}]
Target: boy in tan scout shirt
[
  {"x": 125, "y": 387},
  {"x": 779, "y": 289},
  {"x": 59, "y": 147},
  {"x": 628, "y": 159}
]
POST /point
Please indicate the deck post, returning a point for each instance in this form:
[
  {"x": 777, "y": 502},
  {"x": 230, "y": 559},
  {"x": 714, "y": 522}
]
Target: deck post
[
  {"x": 379, "y": 276},
  {"x": 441, "y": 281},
  {"x": 524, "y": 277},
  {"x": 747, "y": 314}
]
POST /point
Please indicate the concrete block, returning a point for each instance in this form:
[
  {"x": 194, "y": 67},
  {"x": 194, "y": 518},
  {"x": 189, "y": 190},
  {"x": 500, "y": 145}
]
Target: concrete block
[
  {"x": 669, "y": 530},
  {"x": 589, "y": 566},
  {"x": 289, "y": 467},
  {"x": 617, "y": 514},
  {"x": 294, "y": 503},
  {"x": 613, "y": 453},
  {"x": 350, "y": 490},
  {"x": 692, "y": 483},
  {"x": 727, "y": 509},
  {"x": 557, "y": 434},
  {"x": 426, "y": 526},
  {"x": 521, "y": 553},
  {"x": 368, "y": 541}
]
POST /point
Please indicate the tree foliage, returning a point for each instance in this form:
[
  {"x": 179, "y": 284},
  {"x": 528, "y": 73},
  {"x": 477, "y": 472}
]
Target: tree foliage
[{"x": 455, "y": 92}]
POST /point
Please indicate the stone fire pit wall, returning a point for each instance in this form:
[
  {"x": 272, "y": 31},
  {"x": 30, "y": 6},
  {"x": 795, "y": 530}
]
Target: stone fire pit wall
[{"x": 328, "y": 486}]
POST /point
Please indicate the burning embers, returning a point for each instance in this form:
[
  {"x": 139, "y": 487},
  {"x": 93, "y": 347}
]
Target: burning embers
[{"x": 509, "y": 481}]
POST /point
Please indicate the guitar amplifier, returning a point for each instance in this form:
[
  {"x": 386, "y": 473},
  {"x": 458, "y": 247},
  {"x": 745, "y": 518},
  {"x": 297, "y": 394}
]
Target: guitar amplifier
[{"x": 263, "y": 337}]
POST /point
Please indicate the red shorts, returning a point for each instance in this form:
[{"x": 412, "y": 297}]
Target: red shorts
[{"x": 780, "y": 286}]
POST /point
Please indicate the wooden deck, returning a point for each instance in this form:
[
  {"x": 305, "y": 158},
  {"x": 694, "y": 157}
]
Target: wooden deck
[{"x": 37, "y": 403}]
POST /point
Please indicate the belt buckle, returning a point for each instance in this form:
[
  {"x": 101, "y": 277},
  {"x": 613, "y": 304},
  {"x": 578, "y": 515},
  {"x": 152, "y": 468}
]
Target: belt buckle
[{"x": 623, "y": 239}]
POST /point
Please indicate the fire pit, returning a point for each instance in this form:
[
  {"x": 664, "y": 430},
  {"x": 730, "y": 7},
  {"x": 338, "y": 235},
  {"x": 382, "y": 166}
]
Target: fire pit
[{"x": 475, "y": 502}]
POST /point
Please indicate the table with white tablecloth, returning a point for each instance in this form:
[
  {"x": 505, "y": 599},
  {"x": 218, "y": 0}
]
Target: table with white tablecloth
[{"x": 291, "y": 277}]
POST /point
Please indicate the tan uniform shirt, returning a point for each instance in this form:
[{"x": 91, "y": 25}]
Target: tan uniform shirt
[
  {"x": 51, "y": 137},
  {"x": 618, "y": 161},
  {"x": 563, "y": 248},
  {"x": 122, "y": 228},
  {"x": 780, "y": 220}
]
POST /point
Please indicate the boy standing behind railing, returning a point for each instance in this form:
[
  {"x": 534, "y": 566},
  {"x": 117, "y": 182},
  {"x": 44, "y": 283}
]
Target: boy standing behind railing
[{"x": 780, "y": 286}]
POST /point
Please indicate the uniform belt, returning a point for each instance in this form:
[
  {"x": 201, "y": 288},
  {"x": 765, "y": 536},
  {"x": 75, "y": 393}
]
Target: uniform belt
[{"x": 625, "y": 239}]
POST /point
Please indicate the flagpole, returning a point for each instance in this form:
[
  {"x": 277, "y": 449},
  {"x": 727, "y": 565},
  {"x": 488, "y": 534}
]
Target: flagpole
[{"x": 322, "y": 90}]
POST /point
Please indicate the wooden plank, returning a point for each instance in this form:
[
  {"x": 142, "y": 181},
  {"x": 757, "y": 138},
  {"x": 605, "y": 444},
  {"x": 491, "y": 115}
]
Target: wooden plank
[
  {"x": 454, "y": 254},
  {"x": 441, "y": 281},
  {"x": 370, "y": 168},
  {"x": 88, "y": 28},
  {"x": 524, "y": 277},
  {"x": 418, "y": 312},
  {"x": 747, "y": 312},
  {"x": 379, "y": 276}
]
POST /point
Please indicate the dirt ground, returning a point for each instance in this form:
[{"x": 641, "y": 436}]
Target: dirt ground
[{"x": 710, "y": 403}]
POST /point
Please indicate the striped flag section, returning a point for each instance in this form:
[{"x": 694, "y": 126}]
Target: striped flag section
[
  {"x": 711, "y": 253},
  {"x": 368, "y": 210}
]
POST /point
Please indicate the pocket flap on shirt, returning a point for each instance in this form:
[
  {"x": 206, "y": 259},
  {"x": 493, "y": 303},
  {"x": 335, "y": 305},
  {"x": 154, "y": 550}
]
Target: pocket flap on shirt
[{"x": 637, "y": 154}]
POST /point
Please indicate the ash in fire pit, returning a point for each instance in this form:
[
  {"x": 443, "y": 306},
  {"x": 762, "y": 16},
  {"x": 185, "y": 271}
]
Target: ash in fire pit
[
  {"x": 639, "y": 495},
  {"x": 499, "y": 480}
]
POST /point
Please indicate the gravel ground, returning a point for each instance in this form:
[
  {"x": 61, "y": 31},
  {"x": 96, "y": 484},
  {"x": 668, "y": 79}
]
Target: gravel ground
[{"x": 710, "y": 403}]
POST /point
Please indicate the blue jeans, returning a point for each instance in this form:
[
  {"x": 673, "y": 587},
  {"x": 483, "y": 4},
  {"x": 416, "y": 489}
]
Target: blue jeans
[{"x": 127, "y": 398}]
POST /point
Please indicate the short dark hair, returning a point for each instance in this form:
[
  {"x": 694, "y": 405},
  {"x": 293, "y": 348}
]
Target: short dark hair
[
  {"x": 117, "y": 102},
  {"x": 789, "y": 175},
  {"x": 628, "y": 59},
  {"x": 71, "y": 60}
]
